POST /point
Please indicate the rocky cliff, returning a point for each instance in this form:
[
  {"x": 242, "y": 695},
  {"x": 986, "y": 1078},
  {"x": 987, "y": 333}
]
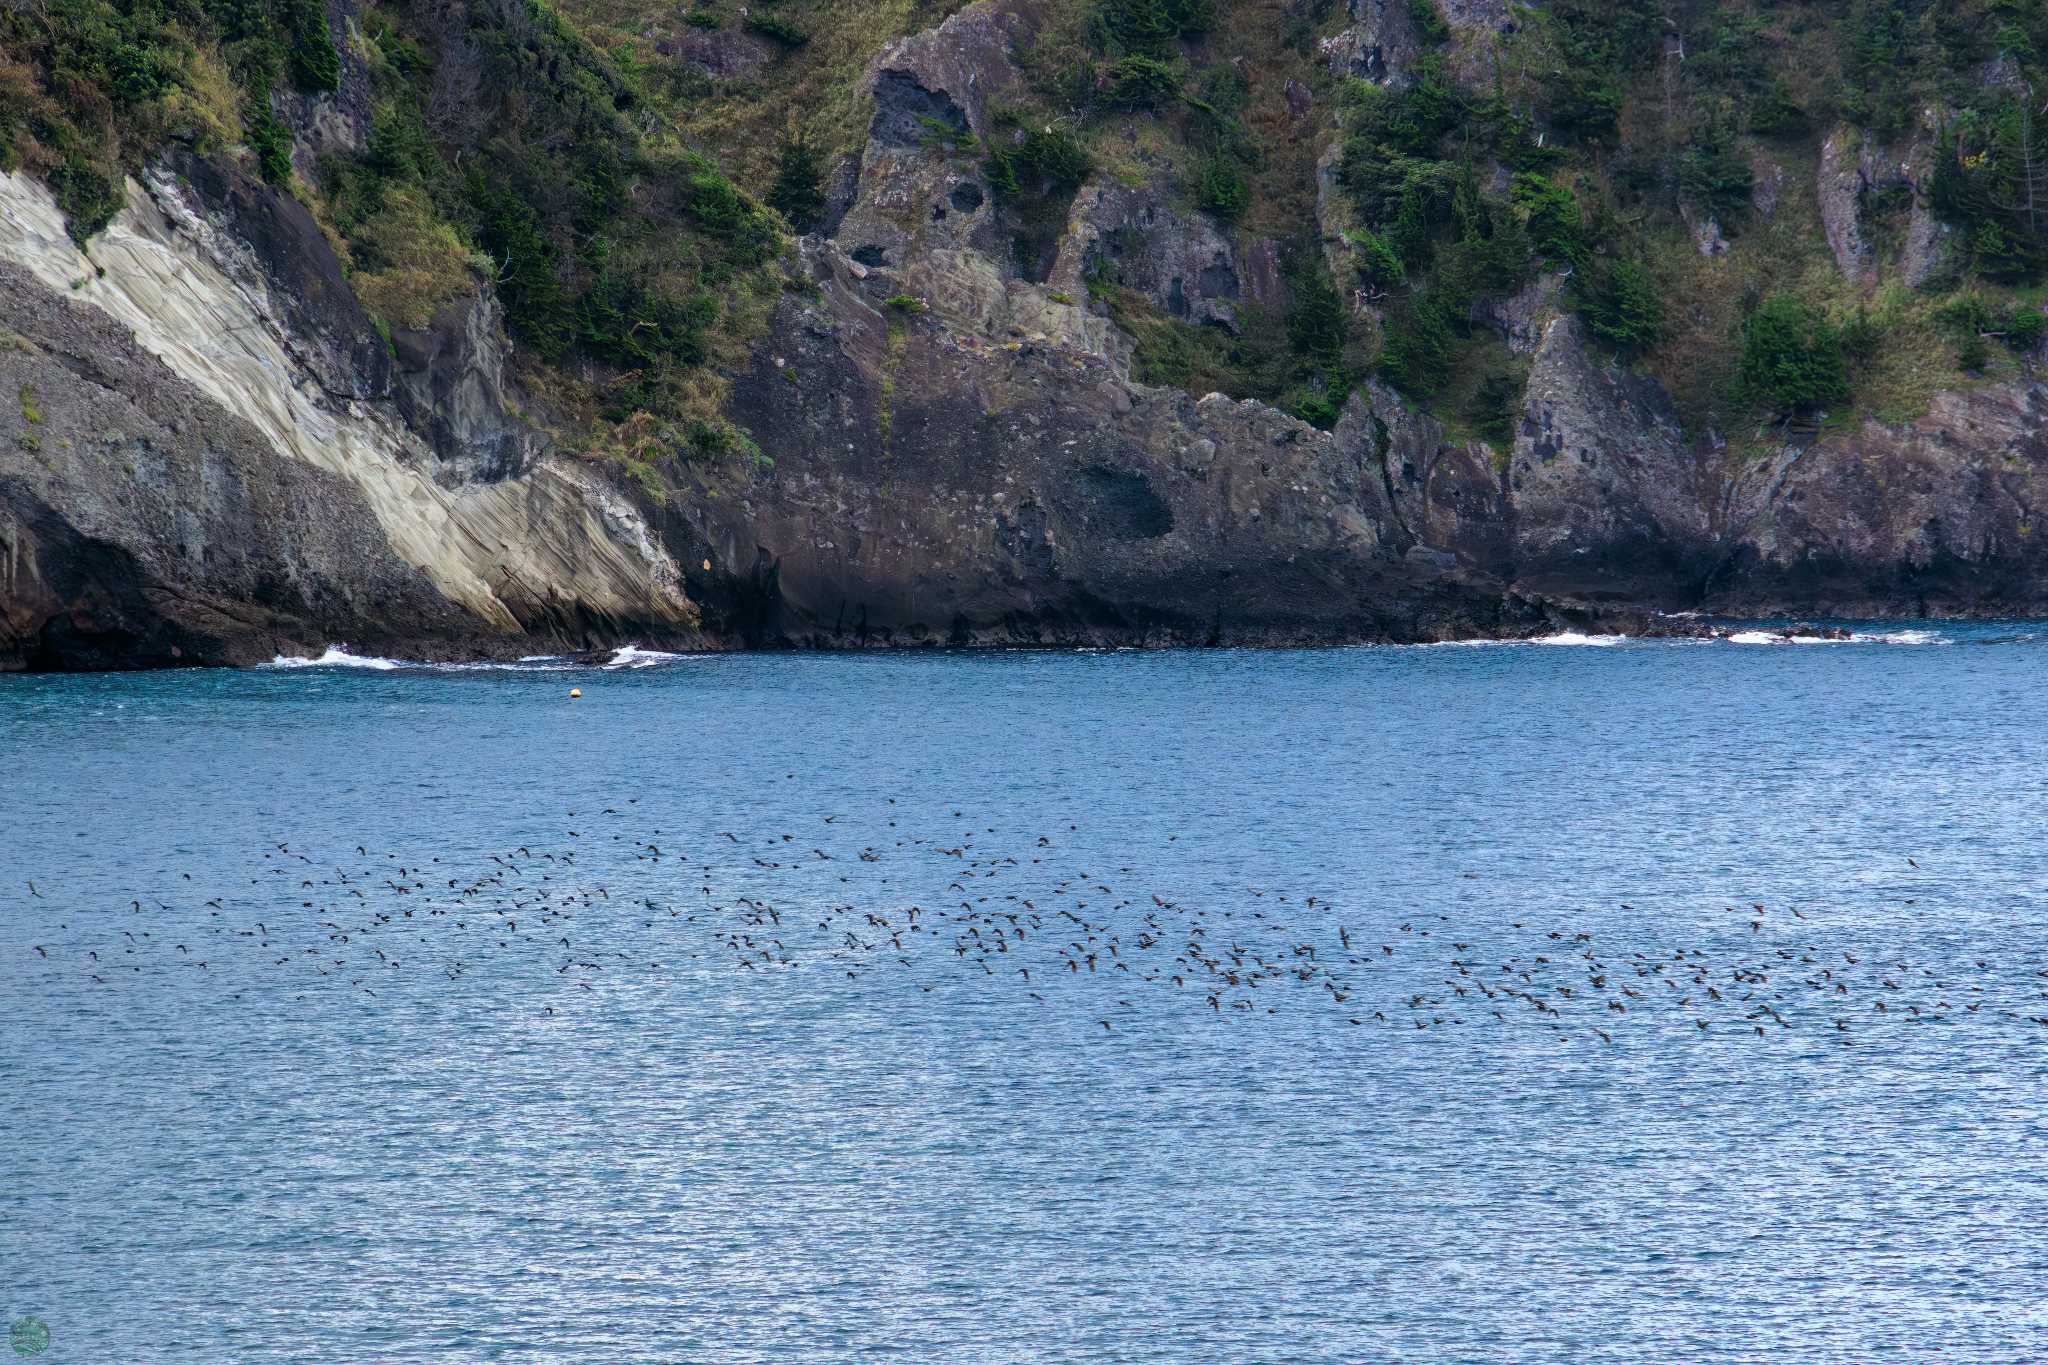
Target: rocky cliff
[
  {"x": 212, "y": 455},
  {"x": 210, "y": 452}
]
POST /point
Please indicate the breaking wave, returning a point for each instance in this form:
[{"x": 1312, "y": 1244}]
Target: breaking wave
[
  {"x": 337, "y": 656},
  {"x": 632, "y": 656}
]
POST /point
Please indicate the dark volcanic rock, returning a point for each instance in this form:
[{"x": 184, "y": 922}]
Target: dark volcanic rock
[
  {"x": 1379, "y": 46},
  {"x": 270, "y": 243},
  {"x": 1609, "y": 501},
  {"x": 207, "y": 463},
  {"x": 1181, "y": 262},
  {"x": 928, "y": 486},
  {"x": 454, "y": 387},
  {"x": 1939, "y": 516}
]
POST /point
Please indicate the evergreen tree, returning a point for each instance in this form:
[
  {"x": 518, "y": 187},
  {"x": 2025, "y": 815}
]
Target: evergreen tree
[{"x": 797, "y": 193}]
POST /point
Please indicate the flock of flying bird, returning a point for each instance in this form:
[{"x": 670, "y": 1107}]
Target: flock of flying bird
[{"x": 613, "y": 898}]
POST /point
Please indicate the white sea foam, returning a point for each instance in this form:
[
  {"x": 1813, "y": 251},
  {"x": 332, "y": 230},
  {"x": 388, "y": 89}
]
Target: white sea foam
[
  {"x": 1896, "y": 637},
  {"x": 1573, "y": 637},
  {"x": 1567, "y": 637},
  {"x": 632, "y": 656},
  {"x": 1772, "y": 637},
  {"x": 337, "y": 656},
  {"x": 532, "y": 663}
]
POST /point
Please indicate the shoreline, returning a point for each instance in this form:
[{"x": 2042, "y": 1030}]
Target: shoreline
[{"x": 649, "y": 649}]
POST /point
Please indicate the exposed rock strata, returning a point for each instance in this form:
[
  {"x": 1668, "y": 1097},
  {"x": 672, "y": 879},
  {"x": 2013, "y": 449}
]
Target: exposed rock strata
[
  {"x": 141, "y": 524},
  {"x": 234, "y": 292}
]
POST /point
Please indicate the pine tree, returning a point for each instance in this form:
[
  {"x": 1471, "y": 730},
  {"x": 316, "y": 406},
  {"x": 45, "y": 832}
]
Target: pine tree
[{"x": 799, "y": 173}]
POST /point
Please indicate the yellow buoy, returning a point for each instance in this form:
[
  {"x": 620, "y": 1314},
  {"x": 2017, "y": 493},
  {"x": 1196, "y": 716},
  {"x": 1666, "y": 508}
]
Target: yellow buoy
[{"x": 575, "y": 692}]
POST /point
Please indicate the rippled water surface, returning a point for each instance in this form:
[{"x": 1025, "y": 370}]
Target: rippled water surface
[{"x": 332, "y": 1034}]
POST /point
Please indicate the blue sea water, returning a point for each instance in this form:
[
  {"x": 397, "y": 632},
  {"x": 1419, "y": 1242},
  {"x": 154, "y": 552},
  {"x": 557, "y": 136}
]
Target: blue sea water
[{"x": 541, "y": 1097}]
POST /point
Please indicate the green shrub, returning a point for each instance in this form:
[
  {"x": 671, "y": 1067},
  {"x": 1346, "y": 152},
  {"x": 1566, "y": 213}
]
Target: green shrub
[
  {"x": 622, "y": 321},
  {"x": 2024, "y": 328},
  {"x": 1775, "y": 113},
  {"x": 1409, "y": 121},
  {"x": 1992, "y": 170},
  {"x": 1964, "y": 314},
  {"x": 1878, "y": 64},
  {"x": 1972, "y": 319},
  {"x": 408, "y": 263},
  {"x": 1140, "y": 82},
  {"x": 1318, "y": 405},
  {"x": 1429, "y": 25},
  {"x": 1390, "y": 164},
  {"x": 944, "y": 136},
  {"x": 1045, "y": 161},
  {"x": 777, "y": 28},
  {"x": 1420, "y": 342},
  {"x": 399, "y": 145},
  {"x": 1862, "y": 338},
  {"x": 1716, "y": 175},
  {"x": 1550, "y": 213},
  {"x": 1492, "y": 254},
  {"x": 731, "y": 217},
  {"x": 1034, "y": 179},
  {"x": 271, "y": 143},
  {"x": 1149, "y": 28},
  {"x": 1791, "y": 357},
  {"x": 1316, "y": 327},
  {"x": 88, "y": 196},
  {"x": 1620, "y": 304},
  {"x": 137, "y": 73},
  {"x": 1222, "y": 190},
  {"x": 537, "y": 310},
  {"x": 1583, "y": 103},
  {"x": 1495, "y": 409},
  {"x": 1378, "y": 263}
]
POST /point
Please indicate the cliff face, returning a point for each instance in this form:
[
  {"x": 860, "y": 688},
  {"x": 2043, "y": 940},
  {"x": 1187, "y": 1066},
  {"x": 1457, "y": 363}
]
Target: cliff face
[
  {"x": 215, "y": 458},
  {"x": 979, "y": 467},
  {"x": 210, "y": 454}
]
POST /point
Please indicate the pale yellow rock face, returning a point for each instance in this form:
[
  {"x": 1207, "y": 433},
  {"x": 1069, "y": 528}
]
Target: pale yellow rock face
[{"x": 510, "y": 552}]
